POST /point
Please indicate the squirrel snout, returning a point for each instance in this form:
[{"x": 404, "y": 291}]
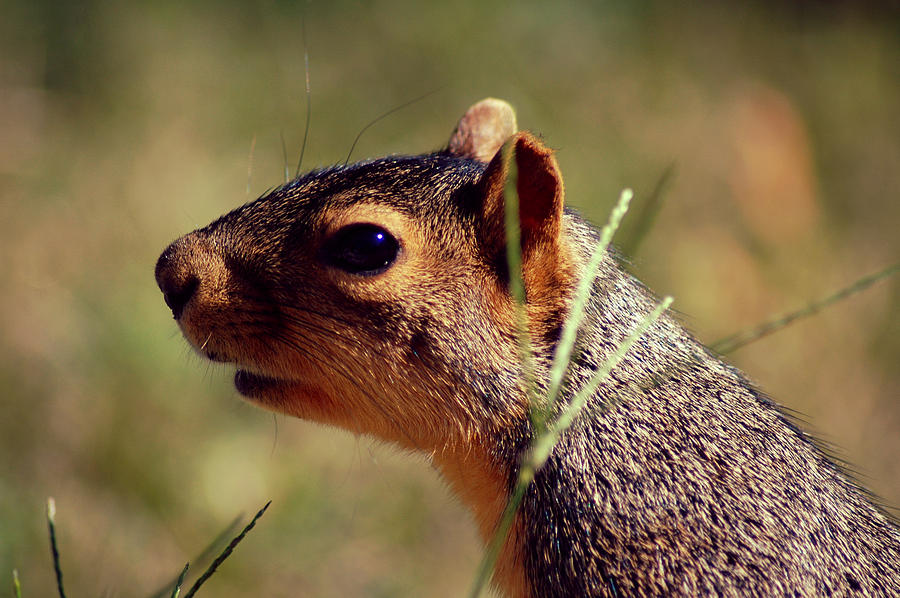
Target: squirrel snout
[{"x": 176, "y": 278}]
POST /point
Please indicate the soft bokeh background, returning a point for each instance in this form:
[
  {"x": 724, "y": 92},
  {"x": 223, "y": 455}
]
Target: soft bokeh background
[{"x": 124, "y": 126}]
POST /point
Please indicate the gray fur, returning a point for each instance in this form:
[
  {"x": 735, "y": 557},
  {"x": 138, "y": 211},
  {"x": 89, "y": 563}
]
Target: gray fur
[{"x": 681, "y": 479}]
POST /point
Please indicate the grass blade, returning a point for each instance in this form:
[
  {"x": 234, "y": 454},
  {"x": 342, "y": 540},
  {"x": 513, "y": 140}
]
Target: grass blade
[
  {"x": 547, "y": 439},
  {"x": 544, "y": 445},
  {"x": 489, "y": 560},
  {"x": 308, "y": 97},
  {"x": 517, "y": 282},
  {"x": 54, "y": 549},
  {"x": 546, "y": 436},
  {"x": 287, "y": 172},
  {"x": 566, "y": 345},
  {"x": 17, "y": 587},
  {"x": 225, "y": 553},
  {"x": 646, "y": 216},
  {"x": 517, "y": 290},
  {"x": 177, "y": 589},
  {"x": 741, "y": 339},
  {"x": 204, "y": 556}
]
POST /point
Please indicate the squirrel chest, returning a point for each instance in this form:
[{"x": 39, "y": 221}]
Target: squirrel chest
[{"x": 375, "y": 297}]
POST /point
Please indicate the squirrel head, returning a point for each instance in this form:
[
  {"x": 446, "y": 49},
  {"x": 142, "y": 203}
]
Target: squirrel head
[{"x": 374, "y": 296}]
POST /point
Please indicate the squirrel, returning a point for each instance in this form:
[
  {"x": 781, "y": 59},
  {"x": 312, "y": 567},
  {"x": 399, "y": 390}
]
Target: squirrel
[{"x": 375, "y": 297}]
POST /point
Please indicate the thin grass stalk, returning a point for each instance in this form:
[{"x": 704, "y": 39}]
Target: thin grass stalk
[
  {"x": 523, "y": 344},
  {"x": 544, "y": 444},
  {"x": 177, "y": 589},
  {"x": 225, "y": 553},
  {"x": 54, "y": 548},
  {"x": 287, "y": 171},
  {"x": 205, "y": 555},
  {"x": 563, "y": 353},
  {"x": 308, "y": 97},
  {"x": 492, "y": 552},
  {"x": 547, "y": 438},
  {"x": 516, "y": 280},
  {"x": 736, "y": 341},
  {"x": 17, "y": 587},
  {"x": 536, "y": 458},
  {"x": 646, "y": 216}
]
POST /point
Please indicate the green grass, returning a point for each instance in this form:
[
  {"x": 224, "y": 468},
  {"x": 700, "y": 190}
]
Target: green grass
[
  {"x": 176, "y": 585},
  {"x": 743, "y": 338},
  {"x": 54, "y": 547}
]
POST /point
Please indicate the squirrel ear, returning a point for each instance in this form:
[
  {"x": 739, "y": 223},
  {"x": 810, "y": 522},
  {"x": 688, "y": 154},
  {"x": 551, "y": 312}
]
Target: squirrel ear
[
  {"x": 539, "y": 186},
  {"x": 483, "y": 129}
]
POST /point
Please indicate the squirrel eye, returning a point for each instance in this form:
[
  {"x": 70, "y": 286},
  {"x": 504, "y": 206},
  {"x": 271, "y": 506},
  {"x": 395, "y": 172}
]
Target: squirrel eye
[{"x": 364, "y": 249}]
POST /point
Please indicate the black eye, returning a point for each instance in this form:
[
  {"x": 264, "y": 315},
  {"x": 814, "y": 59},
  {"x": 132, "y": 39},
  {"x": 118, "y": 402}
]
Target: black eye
[{"x": 364, "y": 249}]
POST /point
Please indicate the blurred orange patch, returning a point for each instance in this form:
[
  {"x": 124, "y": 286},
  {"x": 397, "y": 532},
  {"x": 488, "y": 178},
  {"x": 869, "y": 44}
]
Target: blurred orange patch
[{"x": 772, "y": 179}]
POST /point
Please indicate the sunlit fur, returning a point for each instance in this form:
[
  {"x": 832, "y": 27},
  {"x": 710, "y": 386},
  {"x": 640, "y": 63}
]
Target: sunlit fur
[{"x": 679, "y": 478}]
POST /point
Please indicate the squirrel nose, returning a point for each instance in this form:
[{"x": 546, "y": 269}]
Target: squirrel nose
[{"x": 176, "y": 278}]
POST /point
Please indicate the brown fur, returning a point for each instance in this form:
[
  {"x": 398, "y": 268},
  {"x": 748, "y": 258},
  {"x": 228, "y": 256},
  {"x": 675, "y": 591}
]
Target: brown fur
[{"x": 679, "y": 478}]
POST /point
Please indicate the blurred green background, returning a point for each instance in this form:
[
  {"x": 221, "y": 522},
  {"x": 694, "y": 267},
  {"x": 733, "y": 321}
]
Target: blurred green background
[{"x": 123, "y": 126}]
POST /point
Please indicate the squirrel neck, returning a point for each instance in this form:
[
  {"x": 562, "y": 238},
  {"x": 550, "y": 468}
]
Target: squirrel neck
[
  {"x": 483, "y": 472},
  {"x": 481, "y": 481}
]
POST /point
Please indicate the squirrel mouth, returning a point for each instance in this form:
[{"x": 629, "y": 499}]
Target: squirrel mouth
[{"x": 254, "y": 386}]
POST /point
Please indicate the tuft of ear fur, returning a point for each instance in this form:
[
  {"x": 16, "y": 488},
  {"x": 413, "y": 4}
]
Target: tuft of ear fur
[
  {"x": 483, "y": 129},
  {"x": 546, "y": 265}
]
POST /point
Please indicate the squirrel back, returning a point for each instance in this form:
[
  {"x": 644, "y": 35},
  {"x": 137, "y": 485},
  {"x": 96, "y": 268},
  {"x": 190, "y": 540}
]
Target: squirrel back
[{"x": 375, "y": 297}]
